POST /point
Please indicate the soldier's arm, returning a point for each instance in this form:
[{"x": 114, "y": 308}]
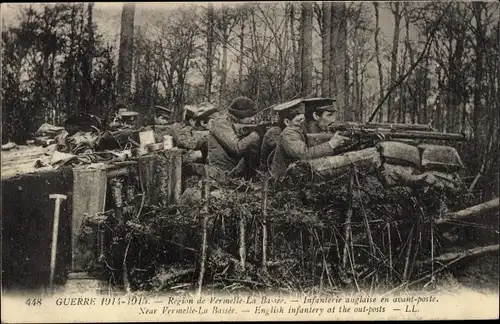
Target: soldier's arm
[
  {"x": 226, "y": 136},
  {"x": 295, "y": 146}
]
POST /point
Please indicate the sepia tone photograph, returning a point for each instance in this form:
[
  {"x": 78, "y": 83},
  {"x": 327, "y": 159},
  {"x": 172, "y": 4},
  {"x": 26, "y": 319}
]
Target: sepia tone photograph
[{"x": 313, "y": 160}]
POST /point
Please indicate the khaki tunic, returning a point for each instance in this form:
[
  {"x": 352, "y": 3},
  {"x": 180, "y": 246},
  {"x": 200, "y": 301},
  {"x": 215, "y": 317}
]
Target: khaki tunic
[
  {"x": 292, "y": 146},
  {"x": 225, "y": 148}
]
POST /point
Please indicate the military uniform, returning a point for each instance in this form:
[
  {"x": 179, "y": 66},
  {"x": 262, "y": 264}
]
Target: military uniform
[
  {"x": 225, "y": 147},
  {"x": 292, "y": 146},
  {"x": 268, "y": 147}
]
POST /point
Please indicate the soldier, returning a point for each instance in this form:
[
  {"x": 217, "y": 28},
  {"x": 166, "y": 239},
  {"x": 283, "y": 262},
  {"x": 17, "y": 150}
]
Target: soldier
[
  {"x": 225, "y": 147},
  {"x": 292, "y": 143},
  {"x": 270, "y": 139}
]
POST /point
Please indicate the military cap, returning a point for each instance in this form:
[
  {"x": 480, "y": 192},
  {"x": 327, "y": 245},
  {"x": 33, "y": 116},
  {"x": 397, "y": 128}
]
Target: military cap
[{"x": 295, "y": 106}]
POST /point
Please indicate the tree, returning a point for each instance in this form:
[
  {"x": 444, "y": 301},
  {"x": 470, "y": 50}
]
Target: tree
[
  {"x": 339, "y": 41},
  {"x": 326, "y": 37},
  {"x": 377, "y": 56},
  {"x": 306, "y": 55},
  {"x": 126, "y": 53},
  {"x": 209, "y": 57},
  {"x": 397, "y": 13}
]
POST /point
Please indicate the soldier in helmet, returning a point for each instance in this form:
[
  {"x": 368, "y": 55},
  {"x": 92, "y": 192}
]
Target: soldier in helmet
[{"x": 292, "y": 143}]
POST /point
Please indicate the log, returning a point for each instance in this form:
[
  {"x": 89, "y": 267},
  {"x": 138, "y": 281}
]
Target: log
[
  {"x": 455, "y": 256},
  {"x": 332, "y": 166},
  {"x": 452, "y": 259},
  {"x": 470, "y": 212}
]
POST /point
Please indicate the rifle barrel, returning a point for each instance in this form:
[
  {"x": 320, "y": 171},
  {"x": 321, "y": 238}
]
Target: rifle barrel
[
  {"x": 319, "y": 138},
  {"x": 397, "y": 126}
]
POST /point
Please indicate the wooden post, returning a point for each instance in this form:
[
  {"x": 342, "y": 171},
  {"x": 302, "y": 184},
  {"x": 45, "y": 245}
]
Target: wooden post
[
  {"x": 116, "y": 187},
  {"x": 347, "y": 231},
  {"x": 206, "y": 188},
  {"x": 390, "y": 250},
  {"x": 407, "y": 256},
  {"x": 243, "y": 248},
  {"x": 177, "y": 177},
  {"x": 264, "y": 223}
]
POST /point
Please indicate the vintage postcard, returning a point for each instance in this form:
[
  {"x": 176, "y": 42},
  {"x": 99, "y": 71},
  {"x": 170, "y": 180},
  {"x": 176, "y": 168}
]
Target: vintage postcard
[{"x": 227, "y": 161}]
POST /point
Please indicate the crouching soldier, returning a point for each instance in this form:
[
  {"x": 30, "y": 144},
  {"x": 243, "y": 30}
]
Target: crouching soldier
[
  {"x": 292, "y": 143},
  {"x": 225, "y": 147}
]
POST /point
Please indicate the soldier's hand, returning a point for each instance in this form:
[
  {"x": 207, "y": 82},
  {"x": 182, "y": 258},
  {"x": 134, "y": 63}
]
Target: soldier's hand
[{"x": 338, "y": 140}]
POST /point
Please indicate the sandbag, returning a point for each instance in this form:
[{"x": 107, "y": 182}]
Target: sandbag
[
  {"x": 440, "y": 158},
  {"x": 393, "y": 175},
  {"x": 397, "y": 175},
  {"x": 398, "y": 153}
]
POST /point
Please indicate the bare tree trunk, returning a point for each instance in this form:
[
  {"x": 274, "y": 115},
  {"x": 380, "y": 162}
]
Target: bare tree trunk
[
  {"x": 379, "y": 62},
  {"x": 225, "y": 40},
  {"x": 296, "y": 55},
  {"x": 241, "y": 58},
  {"x": 306, "y": 41},
  {"x": 326, "y": 37},
  {"x": 209, "y": 58},
  {"x": 126, "y": 53},
  {"x": 340, "y": 58},
  {"x": 334, "y": 70},
  {"x": 479, "y": 48},
  {"x": 394, "y": 56},
  {"x": 86, "y": 104}
]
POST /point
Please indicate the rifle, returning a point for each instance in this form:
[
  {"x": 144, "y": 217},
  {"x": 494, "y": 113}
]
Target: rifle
[
  {"x": 246, "y": 129},
  {"x": 367, "y": 132}
]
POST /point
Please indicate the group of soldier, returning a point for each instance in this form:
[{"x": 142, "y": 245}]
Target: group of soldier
[{"x": 229, "y": 152}]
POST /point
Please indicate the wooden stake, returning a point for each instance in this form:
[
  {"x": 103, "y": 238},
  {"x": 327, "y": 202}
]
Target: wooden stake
[
  {"x": 177, "y": 177},
  {"x": 407, "y": 256},
  {"x": 206, "y": 188},
  {"x": 264, "y": 223},
  {"x": 347, "y": 231},
  {"x": 243, "y": 248},
  {"x": 390, "y": 250}
]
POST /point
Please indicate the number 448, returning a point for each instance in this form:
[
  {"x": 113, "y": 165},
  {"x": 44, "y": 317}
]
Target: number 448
[{"x": 34, "y": 302}]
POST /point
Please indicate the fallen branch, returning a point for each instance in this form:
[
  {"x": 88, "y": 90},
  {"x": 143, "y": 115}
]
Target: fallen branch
[
  {"x": 462, "y": 254},
  {"x": 470, "y": 212}
]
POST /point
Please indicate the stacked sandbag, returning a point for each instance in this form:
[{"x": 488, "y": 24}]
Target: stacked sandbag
[
  {"x": 440, "y": 164},
  {"x": 400, "y": 162},
  {"x": 425, "y": 165}
]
